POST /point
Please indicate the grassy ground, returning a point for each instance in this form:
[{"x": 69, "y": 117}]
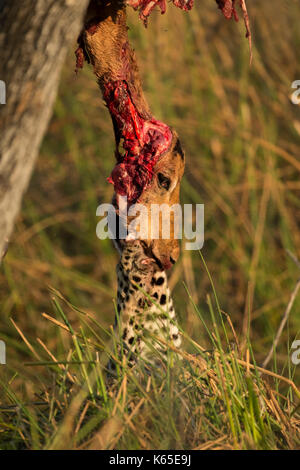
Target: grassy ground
[{"x": 242, "y": 140}]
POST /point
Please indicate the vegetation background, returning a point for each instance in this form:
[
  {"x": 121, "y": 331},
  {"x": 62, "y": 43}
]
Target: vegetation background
[{"x": 241, "y": 135}]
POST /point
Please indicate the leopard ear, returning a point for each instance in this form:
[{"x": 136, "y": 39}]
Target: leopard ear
[
  {"x": 178, "y": 149},
  {"x": 119, "y": 245},
  {"x": 130, "y": 237}
]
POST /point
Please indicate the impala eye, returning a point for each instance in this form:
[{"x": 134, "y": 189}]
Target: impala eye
[{"x": 164, "y": 181}]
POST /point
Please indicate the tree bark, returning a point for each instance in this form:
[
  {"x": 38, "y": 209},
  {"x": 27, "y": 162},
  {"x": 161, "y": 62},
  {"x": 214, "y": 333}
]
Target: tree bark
[{"x": 34, "y": 39}]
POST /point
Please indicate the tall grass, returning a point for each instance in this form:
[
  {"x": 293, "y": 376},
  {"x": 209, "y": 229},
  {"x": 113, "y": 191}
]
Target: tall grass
[
  {"x": 207, "y": 399},
  {"x": 241, "y": 136}
]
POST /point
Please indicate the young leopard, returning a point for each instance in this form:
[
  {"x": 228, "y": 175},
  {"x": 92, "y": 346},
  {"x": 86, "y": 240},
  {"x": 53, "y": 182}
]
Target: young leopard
[{"x": 145, "y": 307}]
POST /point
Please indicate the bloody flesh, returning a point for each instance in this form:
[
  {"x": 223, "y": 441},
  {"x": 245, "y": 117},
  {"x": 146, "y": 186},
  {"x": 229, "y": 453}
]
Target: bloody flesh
[
  {"x": 144, "y": 141},
  {"x": 145, "y": 7},
  {"x": 228, "y": 8}
]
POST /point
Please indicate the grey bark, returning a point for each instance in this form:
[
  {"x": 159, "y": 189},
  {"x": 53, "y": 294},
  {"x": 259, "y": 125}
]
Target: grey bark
[{"x": 34, "y": 39}]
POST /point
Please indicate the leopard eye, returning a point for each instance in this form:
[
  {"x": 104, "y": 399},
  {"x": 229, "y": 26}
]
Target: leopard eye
[{"x": 164, "y": 181}]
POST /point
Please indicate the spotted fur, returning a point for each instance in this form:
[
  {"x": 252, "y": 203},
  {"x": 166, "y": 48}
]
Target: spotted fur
[{"x": 145, "y": 307}]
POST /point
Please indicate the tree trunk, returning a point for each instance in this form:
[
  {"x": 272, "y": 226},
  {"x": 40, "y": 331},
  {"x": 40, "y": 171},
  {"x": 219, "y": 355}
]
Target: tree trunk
[{"x": 34, "y": 38}]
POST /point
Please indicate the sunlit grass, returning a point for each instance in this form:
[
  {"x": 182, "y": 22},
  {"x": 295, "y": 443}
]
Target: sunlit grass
[
  {"x": 207, "y": 399},
  {"x": 241, "y": 137}
]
